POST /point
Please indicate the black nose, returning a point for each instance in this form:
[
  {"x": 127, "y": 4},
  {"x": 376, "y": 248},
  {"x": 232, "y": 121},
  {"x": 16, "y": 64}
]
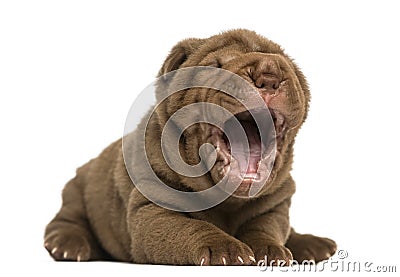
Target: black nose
[{"x": 267, "y": 81}]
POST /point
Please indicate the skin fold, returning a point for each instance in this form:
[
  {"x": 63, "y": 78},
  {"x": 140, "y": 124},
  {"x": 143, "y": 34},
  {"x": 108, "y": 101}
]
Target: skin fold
[{"x": 104, "y": 216}]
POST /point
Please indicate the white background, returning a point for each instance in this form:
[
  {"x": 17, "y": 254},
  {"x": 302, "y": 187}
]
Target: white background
[{"x": 69, "y": 71}]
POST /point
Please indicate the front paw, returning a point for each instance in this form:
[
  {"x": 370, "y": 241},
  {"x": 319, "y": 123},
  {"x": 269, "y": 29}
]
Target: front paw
[
  {"x": 309, "y": 247},
  {"x": 224, "y": 251},
  {"x": 273, "y": 255},
  {"x": 64, "y": 246}
]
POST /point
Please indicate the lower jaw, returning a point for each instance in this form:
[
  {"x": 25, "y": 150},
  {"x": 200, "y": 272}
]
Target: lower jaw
[
  {"x": 248, "y": 185},
  {"x": 242, "y": 191},
  {"x": 244, "y": 188}
]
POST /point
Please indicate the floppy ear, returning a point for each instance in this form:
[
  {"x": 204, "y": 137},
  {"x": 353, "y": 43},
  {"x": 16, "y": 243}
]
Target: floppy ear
[{"x": 179, "y": 53}]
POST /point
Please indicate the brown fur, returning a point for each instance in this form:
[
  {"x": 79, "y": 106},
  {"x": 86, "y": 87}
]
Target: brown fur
[{"x": 104, "y": 217}]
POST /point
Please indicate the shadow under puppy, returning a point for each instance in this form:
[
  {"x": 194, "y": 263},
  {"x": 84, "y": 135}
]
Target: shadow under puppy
[{"x": 105, "y": 217}]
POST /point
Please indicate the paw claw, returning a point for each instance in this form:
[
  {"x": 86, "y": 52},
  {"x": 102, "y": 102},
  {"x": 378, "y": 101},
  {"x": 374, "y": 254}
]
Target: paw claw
[
  {"x": 240, "y": 259},
  {"x": 78, "y": 259},
  {"x": 328, "y": 255},
  {"x": 54, "y": 250},
  {"x": 202, "y": 261},
  {"x": 224, "y": 260},
  {"x": 252, "y": 259},
  {"x": 65, "y": 255},
  {"x": 223, "y": 251}
]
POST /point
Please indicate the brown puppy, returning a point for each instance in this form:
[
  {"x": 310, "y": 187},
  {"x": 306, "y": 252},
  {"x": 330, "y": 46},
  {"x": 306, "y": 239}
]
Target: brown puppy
[{"x": 104, "y": 216}]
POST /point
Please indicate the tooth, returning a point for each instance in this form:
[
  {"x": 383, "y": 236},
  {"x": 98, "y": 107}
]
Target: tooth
[{"x": 227, "y": 169}]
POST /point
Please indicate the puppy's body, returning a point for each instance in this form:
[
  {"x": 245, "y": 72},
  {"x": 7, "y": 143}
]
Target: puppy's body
[{"x": 104, "y": 216}]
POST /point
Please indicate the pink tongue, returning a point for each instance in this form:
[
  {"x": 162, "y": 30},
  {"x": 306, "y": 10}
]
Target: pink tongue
[{"x": 238, "y": 146}]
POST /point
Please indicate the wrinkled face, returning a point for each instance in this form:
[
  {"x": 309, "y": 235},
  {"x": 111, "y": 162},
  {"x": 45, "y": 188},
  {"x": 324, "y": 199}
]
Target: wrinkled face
[{"x": 283, "y": 91}]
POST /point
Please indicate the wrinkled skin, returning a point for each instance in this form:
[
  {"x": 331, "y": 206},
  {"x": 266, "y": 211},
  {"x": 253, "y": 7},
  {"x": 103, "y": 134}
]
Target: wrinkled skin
[{"x": 104, "y": 216}]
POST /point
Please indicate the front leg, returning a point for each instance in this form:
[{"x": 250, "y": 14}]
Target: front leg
[
  {"x": 161, "y": 236},
  {"x": 266, "y": 234}
]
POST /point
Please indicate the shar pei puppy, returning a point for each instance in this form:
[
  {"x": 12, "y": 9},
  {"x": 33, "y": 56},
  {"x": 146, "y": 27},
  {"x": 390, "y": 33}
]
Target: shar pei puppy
[{"x": 116, "y": 209}]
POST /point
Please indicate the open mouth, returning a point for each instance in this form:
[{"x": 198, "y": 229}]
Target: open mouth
[{"x": 247, "y": 145}]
